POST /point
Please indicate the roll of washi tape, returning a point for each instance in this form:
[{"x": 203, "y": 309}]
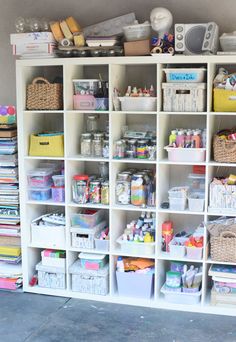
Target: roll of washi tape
[
  {"x": 157, "y": 49},
  {"x": 165, "y": 49},
  {"x": 66, "y": 42},
  {"x": 171, "y": 50}
]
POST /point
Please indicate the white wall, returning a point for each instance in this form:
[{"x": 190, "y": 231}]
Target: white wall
[{"x": 92, "y": 11}]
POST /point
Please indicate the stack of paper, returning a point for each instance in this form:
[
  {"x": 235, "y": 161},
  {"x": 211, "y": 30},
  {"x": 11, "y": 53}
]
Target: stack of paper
[
  {"x": 10, "y": 276},
  {"x": 224, "y": 278}
]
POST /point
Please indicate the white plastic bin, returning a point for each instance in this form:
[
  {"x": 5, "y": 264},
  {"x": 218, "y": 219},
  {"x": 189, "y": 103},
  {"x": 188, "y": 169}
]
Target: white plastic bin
[
  {"x": 196, "y": 201},
  {"x": 53, "y": 262},
  {"x": 190, "y": 75},
  {"x": 132, "y": 284},
  {"x": 177, "y": 251},
  {"x": 178, "y": 154},
  {"x": 178, "y": 204},
  {"x": 140, "y": 248},
  {"x": 178, "y": 192},
  {"x": 51, "y": 277},
  {"x": 196, "y": 182},
  {"x": 90, "y": 281},
  {"x": 50, "y": 236},
  {"x": 138, "y": 103},
  {"x": 194, "y": 253},
  {"x": 101, "y": 245},
  {"x": 181, "y": 297},
  {"x": 184, "y": 97}
]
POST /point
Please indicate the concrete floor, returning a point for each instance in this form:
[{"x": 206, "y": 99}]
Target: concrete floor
[{"x": 37, "y": 318}]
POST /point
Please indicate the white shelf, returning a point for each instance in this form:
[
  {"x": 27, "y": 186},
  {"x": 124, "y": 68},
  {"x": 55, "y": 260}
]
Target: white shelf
[{"x": 120, "y": 71}]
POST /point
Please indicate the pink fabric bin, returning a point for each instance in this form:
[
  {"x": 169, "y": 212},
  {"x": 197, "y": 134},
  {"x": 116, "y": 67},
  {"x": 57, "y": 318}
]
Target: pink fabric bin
[{"x": 84, "y": 102}]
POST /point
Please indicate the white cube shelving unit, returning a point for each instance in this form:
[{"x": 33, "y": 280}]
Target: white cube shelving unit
[{"x": 120, "y": 71}]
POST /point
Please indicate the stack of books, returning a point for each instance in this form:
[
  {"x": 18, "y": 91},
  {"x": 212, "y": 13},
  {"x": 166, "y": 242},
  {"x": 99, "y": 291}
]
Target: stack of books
[
  {"x": 33, "y": 44},
  {"x": 10, "y": 241}
]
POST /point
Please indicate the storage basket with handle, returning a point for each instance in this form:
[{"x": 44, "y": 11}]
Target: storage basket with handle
[
  {"x": 224, "y": 150},
  {"x": 223, "y": 247},
  {"x": 43, "y": 95},
  {"x": 47, "y": 146}
]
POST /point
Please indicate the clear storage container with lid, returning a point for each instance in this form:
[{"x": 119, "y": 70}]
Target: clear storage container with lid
[
  {"x": 86, "y": 144},
  {"x": 92, "y": 123},
  {"x": 80, "y": 188},
  {"x": 40, "y": 177},
  {"x": 97, "y": 144},
  {"x": 123, "y": 188}
]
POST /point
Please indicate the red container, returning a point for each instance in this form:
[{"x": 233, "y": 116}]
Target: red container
[{"x": 167, "y": 234}]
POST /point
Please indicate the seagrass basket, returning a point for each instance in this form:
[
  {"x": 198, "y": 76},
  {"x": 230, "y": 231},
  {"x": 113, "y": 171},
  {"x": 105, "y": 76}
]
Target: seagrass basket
[
  {"x": 43, "y": 95},
  {"x": 224, "y": 150},
  {"x": 223, "y": 247}
]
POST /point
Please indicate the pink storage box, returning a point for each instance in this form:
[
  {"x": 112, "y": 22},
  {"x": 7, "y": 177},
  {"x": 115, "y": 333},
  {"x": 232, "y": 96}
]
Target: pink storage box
[{"x": 84, "y": 102}]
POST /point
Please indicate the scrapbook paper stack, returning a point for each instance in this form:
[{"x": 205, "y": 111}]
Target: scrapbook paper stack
[
  {"x": 10, "y": 241},
  {"x": 224, "y": 284}
]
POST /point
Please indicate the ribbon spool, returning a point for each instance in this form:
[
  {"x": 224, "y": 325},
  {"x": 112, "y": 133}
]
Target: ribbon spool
[{"x": 66, "y": 42}]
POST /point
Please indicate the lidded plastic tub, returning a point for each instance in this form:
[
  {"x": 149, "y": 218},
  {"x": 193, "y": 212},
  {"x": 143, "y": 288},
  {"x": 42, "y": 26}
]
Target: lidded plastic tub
[
  {"x": 192, "y": 75},
  {"x": 196, "y": 182},
  {"x": 92, "y": 261},
  {"x": 196, "y": 201},
  {"x": 40, "y": 177},
  {"x": 39, "y": 194},
  {"x": 137, "y": 31}
]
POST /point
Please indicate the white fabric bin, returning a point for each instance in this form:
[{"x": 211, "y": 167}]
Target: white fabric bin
[
  {"x": 196, "y": 201},
  {"x": 178, "y": 154},
  {"x": 51, "y": 277}
]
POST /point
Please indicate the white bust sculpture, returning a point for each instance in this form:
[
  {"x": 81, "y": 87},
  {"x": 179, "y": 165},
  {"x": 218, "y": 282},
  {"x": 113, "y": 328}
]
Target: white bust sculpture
[{"x": 161, "y": 20}]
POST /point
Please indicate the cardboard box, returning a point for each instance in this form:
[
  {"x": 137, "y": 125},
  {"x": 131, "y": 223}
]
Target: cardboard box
[{"x": 137, "y": 48}]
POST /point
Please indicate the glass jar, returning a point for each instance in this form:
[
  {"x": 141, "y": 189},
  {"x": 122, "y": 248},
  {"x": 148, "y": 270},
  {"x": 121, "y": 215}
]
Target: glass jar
[
  {"x": 95, "y": 192},
  {"x": 92, "y": 123},
  {"x": 119, "y": 149},
  {"x": 86, "y": 144},
  {"x": 138, "y": 190},
  {"x": 132, "y": 143},
  {"x": 123, "y": 188},
  {"x": 105, "y": 193},
  {"x": 105, "y": 149},
  {"x": 80, "y": 189},
  {"x": 152, "y": 149},
  {"x": 97, "y": 145},
  {"x": 103, "y": 169},
  {"x": 142, "y": 149}
]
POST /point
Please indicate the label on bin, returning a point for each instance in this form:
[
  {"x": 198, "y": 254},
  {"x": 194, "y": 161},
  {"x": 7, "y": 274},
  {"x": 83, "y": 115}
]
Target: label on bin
[{"x": 183, "y": 76}]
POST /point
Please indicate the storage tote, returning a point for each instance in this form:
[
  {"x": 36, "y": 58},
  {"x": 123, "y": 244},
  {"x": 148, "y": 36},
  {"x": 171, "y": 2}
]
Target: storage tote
[
  {"x": 184, "y": 97},
  {"x": 179, "y": 154},
  {"x": 89, "y": 281},
  {"x": 139, "y": 248},
  {"x": 189, "y": 75},
  {"x": 47, "y": 145},
  {"x": 224, "y": 150},
  {"x": 223, "y": 247},
  {"x": 224, "y": 100},
  {"x": 133, "y": 284},
  {"x": 51, "y": 277},
  {"x": 85, "y": 237},
  {"x": 181, "y": 297},
  {"x": 44, "y": 95},
  {"x": 87, "y": 218}
]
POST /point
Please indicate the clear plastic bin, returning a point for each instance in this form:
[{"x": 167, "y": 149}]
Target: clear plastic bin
[
  {"x": 142, "y": 248},
  {"x": 178, "y": 192},
  {"x": 177, "y": 154},
  {"x": 137, "y": 32},
  {"x": 181, "y": 297},
  {"x": 194, "y": 253},
  {"x": 40, "y": 177},
  {"x": 85, "y": 86},
  {"x": 127, "y": 284},
  {"x": 138, "y": 103},
  {"x": 196, "y": 182},
  {"x": 87, "y": 218},
  {"x": 177, "y": 251},
  {"x": 93, "y": 261},
  {"x": 193, "y": 75},
  {"x": 101, "y": 245},
  {"x": 178, "y": 203},
  {"x": 58, "y": 180},
  {"x": 196, "y": 201},
  {"x": 39, "y": 194}
]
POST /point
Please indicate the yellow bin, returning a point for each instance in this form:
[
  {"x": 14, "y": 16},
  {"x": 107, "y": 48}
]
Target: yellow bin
[
  {"x": 224, "y": 100},
  {"x": 46, "y": 146}
]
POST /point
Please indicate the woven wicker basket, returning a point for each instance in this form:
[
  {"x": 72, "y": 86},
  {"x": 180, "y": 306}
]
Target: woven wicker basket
[
  {"x": 44, "y": 95},
  {"x": 223, "y": 247},
  {"x": 224, "y": 150}
]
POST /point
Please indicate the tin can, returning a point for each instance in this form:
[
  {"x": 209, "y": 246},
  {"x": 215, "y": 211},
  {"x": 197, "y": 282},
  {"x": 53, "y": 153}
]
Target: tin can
[
  {"x": 95, "y": 192},
  {"x": 105, "y": 193}
]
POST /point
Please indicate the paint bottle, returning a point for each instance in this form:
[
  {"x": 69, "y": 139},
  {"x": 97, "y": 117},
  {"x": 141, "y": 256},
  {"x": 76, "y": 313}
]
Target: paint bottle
[
  {"x": 120, "y": 264},
  {"x": 167, "y": 235},
  {"x": 196, "y": 140},
  {"x": 188, "y": 139},
  {"x": 180, "y": 139},
  {"x": 172, "y": 138}
]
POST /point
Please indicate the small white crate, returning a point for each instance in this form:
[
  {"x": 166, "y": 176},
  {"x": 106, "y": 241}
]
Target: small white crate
[
  {"x": 194, "y": 253},
  {"x": 101, "y": 245},
  {"x": 90, "y": 281},
  {"x": 138, "y": 103},
  {"x": 133, "y": 284},
  {"x": 190, "y": 75},
  {"x": 177, "y": 203},
  {"x": 51, "y": 277},
  {"x": 53, "y": 262},
  {"x": 196, "y": 201},
  {"x": 184, "y": 97},
  {"x": 177, "y": 251},
  {"x": 178, "y": 154},
  {"x": 140, "y": 248},
  {"x": 47, "y": 236},
  {"x": 85, "y": 237},
  {"x": 181, "y": 297}
]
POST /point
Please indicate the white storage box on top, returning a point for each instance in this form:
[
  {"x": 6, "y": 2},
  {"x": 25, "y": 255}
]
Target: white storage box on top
[
  {"x": 85, "y": 237},
  {"x": 47, "y": 235},
  {"x": 184, "y": 97},
  {"x": 179, "y": 154},
  {"x": 177, "y": 75},
  {"x": 181, "y": 297},
  {"x": 51, "y": 277},
  {"x": 141, "y": 104},
  {"x": 89, "y": 281},
  {"x": 140, "y": 248}
]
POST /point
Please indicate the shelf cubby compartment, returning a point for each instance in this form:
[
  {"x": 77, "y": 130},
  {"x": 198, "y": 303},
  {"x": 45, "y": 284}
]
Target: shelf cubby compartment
[
  {"x": 76, "y": 125},
  {"x": 82, "y": 71},
  {"x": 167, "y": 179},
  {"x": 122, "y": 122},
  {"x": 138, "y": 75},
  {"x": 39, "y": 122},
  {"x": 120, "y": 219}
]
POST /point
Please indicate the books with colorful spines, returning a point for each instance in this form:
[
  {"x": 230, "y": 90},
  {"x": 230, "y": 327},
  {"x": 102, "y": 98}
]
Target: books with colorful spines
[
  {"x": 13, "y": 251},
  {"x": 224, "y": 271},
  {"x": 9, "y": 241},
  {"x": 9, "y": 230}
]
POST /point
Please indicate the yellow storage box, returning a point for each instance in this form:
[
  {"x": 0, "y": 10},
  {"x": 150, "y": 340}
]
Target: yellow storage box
[
  {"x": 224, "y": 100},
  {"x": 47, "y": 145}
]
